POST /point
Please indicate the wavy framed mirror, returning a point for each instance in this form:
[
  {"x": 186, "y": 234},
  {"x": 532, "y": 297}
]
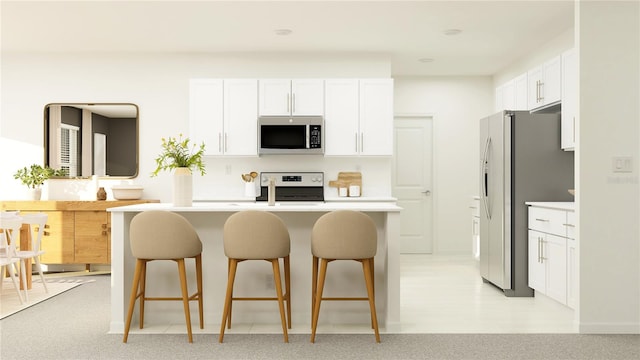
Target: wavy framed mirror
[{"x": 87, "y": 139}]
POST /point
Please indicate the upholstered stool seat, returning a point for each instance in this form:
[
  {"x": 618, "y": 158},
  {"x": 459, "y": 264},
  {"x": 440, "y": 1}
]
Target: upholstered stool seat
[
  {"x": 163, "y": 235},
  {"x": 257, "y": 235},
  {"x": 343, "y": 235}
]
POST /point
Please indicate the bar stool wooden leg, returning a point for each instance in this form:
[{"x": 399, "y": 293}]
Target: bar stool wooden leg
[
  {"x": 314, "y": 286},
  {"x": 185, "y": 296},
  {"x": 287, "y": 284},
  {"x": 228, "y": 321},
  {"x": 278, "y": 282},
  {"x": 142, "y": 290},
  {"x": 366, "y": 268},
  {"x": 226, "y": 313},
  {"x": 132, "y": 298},
  {"x": 199, "y": 282},
  {"x": 316, "y": 310}
]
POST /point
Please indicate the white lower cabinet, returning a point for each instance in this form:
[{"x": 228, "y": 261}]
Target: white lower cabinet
[{"x": 552, "y": 254}]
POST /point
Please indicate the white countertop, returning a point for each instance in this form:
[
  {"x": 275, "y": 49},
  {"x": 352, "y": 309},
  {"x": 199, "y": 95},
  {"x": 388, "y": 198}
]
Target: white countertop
[
  {"x": 287, "y": 206},
  {"x": 560, "y": 205}
]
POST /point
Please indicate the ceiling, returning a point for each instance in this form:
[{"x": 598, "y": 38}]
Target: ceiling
[{"x": 494, "y": 33}]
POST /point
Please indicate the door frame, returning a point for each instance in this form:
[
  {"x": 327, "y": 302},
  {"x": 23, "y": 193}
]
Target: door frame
[{"x": 434, "y": 162}]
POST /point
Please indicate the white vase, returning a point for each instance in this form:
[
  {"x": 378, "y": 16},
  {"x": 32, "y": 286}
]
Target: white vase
[
  {"x": 182, "y": 187},
  {"x": 35, "y": 194}
]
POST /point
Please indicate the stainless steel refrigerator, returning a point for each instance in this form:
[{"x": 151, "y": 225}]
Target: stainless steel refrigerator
[{"x": 520, "y": 161}]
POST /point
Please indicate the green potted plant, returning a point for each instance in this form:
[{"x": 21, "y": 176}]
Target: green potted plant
[
  {"x": 34, "y": 177},
  {"x": 182, "y": 157}
]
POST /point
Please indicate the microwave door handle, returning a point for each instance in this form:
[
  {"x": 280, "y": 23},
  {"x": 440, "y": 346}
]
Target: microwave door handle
[{"x": 307, "y": 139}]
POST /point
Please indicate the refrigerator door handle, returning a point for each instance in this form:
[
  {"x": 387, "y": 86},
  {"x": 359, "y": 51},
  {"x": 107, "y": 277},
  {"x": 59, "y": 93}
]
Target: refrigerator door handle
[{"x": 485, "y": 178}]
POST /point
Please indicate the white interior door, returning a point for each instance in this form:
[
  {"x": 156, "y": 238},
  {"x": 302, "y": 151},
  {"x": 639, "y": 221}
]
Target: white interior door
[{"x": 412, "y": 182}]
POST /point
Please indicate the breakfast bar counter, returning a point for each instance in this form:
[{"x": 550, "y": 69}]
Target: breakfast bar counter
[{"x": 254, "y": 278}]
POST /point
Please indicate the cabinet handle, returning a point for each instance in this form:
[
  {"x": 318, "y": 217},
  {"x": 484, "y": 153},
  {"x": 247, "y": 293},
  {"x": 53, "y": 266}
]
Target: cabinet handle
[
  {"x": 574, "y": 129},
  {"x": 539, "y": 245},
  {"x": 542, "y": 220},
  {"x": 473, "y": 207},
  {"x": 361, "y": 141},
  {"x": 104, "y": 226},
  {"x": 569, "y": 225},
  {"x": 219, "y": 142},
  {"x": 46, "y": 233},
  {"x": 226, "y": 142},
  {"x": 542, "y": 258},
  {"x": 537, "y": 91},
  {"x": 288, "y": 103},
  {"x": 293, "y": 103},
  {"x": 104, "y": 232},
  {"x": 356, "y": 142},
  {"x": 46, "y": 226}
]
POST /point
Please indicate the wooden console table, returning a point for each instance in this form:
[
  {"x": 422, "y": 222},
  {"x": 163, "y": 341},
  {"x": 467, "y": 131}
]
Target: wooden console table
[{"x": 77, "y": 232}]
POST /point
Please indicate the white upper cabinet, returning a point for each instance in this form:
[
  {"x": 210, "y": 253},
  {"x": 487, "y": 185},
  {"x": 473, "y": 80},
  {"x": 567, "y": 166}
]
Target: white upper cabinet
[
  {"x": 223, "y": 114},
  {"x": 291, "y": 97},
  {"x": 512, "y": 95},
  {"x": 376, "y": 117},
  {"x": 545, "y": 84},
  {"x": 206, "y": 114},
  {"x": 358, "y": 117},
  {"x": 569, "y": 99},
  {"x": 240, "y": 117},
  {"x": 341, "y": 116}
]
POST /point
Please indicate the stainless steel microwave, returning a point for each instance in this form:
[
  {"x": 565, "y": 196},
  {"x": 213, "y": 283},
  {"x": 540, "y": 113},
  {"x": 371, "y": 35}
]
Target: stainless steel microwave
[{"x": 290, "y": 135}]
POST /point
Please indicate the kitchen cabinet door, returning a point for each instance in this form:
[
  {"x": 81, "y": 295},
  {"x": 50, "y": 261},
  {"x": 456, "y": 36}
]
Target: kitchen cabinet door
[
  {"x": 240, "y": 117},
  {"x": 92, "y": 237},
  {"x": 376, "y": 117},
  {"x": 520, "y": 90},
  {"x": 206, "y": 114},
  {"x": 307, "y": 97},
  {"x": 545, "y": 84},
  {"x": 555, "y": 258},
  {"x": 572, "y": 273},
  {"x": 569, "y": 109},
  {"x": 537, "y": 273},
  {"x": 284, "y": 97},
  {"x": 341, "y": 120}
]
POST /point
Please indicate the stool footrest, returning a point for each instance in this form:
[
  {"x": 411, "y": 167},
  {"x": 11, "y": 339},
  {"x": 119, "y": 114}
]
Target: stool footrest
[
  {"x": 346, "y": 298},
  {"x": 258, "y": 298},
  {"x": 191, "y": 298}
]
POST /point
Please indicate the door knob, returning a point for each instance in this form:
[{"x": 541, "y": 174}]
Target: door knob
[{"x": 427, "y": 192}]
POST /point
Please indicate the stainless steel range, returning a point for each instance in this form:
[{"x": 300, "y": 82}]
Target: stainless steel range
[{"x": 293, "y": 186}]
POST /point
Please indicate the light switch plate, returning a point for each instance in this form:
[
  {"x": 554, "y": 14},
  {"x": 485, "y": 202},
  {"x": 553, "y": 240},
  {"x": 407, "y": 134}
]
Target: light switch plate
[{"x": 621, "y": 164}]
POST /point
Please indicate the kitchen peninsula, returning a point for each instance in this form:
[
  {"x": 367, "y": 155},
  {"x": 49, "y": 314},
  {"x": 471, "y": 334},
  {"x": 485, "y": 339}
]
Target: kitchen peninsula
[{"x": 255, "y": 278}]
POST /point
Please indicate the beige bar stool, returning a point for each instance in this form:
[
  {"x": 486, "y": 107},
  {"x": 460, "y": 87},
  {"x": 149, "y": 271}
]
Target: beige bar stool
[
  {"x": 343, "y": 235},
  {"x": 257, "y": 235},
  {"x": 163, "y": 235}
]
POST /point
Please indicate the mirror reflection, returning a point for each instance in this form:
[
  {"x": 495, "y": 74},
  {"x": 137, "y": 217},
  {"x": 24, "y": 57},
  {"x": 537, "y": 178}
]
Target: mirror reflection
[{"x": 92, "y": 139}]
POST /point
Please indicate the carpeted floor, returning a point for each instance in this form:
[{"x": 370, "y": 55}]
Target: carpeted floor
[
  {"x": 74, "y": 325},
  {"x": 10, "y": 303}
]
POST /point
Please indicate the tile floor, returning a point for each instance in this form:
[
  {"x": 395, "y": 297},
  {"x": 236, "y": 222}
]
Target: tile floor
[{"x": 445, "y": 294}]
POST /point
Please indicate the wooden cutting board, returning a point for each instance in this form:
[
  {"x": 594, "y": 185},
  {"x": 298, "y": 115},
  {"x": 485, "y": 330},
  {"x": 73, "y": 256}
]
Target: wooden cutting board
[{"x": 347, "y": 178}]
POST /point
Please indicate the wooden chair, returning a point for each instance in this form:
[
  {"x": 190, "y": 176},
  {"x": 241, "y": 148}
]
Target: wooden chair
[
  {"x": 163, "y": 235},
  {"x": 257, "y": 235},
  {"x": 343, "y": 235}
]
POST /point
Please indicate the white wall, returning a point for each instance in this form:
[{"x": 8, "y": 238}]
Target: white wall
[
  {"x": 608, "y": 38},
  {"x": 457, "y": 104},
  {"x": 159, "y": 84}
]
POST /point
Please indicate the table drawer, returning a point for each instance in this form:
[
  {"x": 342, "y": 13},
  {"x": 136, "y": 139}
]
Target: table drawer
[{"x": 549, "y": 221}]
